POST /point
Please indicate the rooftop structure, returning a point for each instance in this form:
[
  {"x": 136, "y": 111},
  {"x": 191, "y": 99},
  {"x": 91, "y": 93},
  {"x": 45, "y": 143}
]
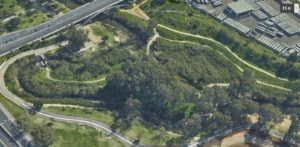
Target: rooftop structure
[
  {"x": 258, "y": 14},
  {"x": 238, "y": 8},
  {"x": 221, "y": 17},
  {"x": 280, "y": 48},
  {"x": 238, "y": 26},
  {"x": 287, "y": 24},
  {"x": 267, "y": 8},
  {"x": 253, "y": 4},
  {"x": 265, "y": 24}
]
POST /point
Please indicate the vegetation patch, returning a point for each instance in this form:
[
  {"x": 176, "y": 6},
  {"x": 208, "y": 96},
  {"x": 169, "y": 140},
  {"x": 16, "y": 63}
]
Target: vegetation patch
[
  {"x": 62, "y": 134},
  {"x": 180, "y": 16},
  {"x": 261, "y": 76}
]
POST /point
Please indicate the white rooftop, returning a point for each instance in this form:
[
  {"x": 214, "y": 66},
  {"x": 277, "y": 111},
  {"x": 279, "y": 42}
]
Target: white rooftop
[{"x": 240, "y": 6}]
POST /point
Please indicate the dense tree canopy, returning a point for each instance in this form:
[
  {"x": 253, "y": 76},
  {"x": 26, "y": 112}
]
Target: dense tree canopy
[{"x": 43, "y": 136}]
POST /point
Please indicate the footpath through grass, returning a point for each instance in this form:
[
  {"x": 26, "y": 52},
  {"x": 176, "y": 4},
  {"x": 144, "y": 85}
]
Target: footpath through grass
[
  {"x": 147, "y": 135},
  {"x": 64, "y": 134},
  {"x": 259, "y": 75},
  {"x": 103, "y": 116}
]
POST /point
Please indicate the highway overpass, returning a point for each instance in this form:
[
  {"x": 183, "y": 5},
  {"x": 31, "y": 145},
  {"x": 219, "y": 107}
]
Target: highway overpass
[{"x": 12, "y": 41}]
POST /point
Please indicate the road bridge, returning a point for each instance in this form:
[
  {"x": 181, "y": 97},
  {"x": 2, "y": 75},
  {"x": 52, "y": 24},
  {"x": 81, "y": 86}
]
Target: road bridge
[{"x": 12, "y": 41}]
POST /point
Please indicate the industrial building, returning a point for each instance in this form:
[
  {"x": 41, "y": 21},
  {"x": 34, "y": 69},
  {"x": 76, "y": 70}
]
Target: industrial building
[
  {"x": 238, "y": 8},
  {"x": 259, "y": 19}
]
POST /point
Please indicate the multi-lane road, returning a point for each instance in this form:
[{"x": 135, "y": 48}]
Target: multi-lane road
[
  {"x": 10, "y": 134},
  {"x": 12, "y": 41},
  {"x": 6, "y": 140}
]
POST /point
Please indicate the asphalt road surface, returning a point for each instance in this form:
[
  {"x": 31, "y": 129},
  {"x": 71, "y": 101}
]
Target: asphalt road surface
[
  {"x": 10, "y": 134},
  {"x": 12, "y": 41},
  {"x": 6, "y": 140},
  {"x": 67, "y": 119}
]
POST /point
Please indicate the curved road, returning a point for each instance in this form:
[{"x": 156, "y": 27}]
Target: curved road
[{"x": 67, "y": 119}]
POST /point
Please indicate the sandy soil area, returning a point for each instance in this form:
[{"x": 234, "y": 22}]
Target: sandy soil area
[
  {"x": 234, "y": 139},
  {"x": 136, "y": 11}
]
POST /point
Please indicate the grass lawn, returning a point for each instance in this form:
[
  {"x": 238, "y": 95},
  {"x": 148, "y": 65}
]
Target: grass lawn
[
  {"x": 64, "y": 134},
  {"x": 105, "y": 117},
  {"x": 14, "y": 110},
  {"x": 7, "y": 6},
  {"x": 79, "y": 136},
  {"x": 146, "y": 134},
  {"x": 102, "y": 30},
  {"x": 133, "y": 20},
  {"x": 32, "y": 20},
  {"x": 98, "y": 30}
]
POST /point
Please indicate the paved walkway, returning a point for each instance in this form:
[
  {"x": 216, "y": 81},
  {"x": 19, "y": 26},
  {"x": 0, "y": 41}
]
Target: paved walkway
[{"x": 67, "y": 119}]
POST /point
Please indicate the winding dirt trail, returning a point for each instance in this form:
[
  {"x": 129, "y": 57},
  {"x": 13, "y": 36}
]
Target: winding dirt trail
[
  {"x": 156, "y": 36},
  {"x": 72, "y": 81},
  {"x": 151, "y": 41},
  {"x": 227, "y": 48}
]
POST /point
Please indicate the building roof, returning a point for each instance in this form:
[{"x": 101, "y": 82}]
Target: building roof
[{"x": 240, "y": 6}]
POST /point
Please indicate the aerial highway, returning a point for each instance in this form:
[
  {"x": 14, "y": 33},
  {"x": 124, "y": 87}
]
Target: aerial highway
[{"x": 12, "y": 41}]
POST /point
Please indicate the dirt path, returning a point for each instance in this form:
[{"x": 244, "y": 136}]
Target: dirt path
[
  {"x": 179, "y": 41},
  {"x": 151, "y": 41},
  {"x": 234, "y": 139},
  {"x": 228, "y": 49},
  {"x": 218, "y": 85},
  {"x": 64, "y": 105},
  {"x": 72, "y": 81},
  {"x": 271, "y": 85},
  {"x": 136, "y": 11},
  {"x": 239, "y": 68}
]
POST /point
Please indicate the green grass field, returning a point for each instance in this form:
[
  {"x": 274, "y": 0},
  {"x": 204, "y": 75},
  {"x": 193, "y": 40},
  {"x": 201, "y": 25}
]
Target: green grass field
[
  {"x": 146, "y": 134},
  {"x": 7, "y": 6},
  {"x": 64, "y": 134},
  {"x": 103, "y": 116},
  {"x": 102, "y": 30},
  {"x": 32, "y": 20},
  {"x": 133, "y": 19}
]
